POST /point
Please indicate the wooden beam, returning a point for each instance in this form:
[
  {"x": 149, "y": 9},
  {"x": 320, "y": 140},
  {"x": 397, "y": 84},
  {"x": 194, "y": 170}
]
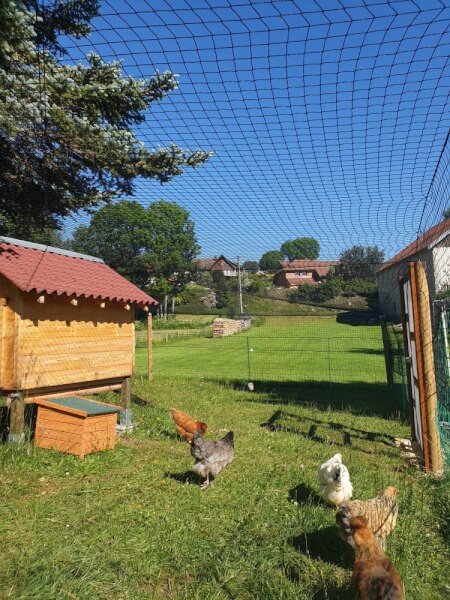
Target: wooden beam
[
  {"x": 3, "y": 301},
  {"x": 420, "y": 375},
  {"x": 127, "y": 306},
  {"x": 40, "y": 299},
  {"x": 428, "y": 370},
  {"x": 76, "y": 392},
  {"x": 74, "y": 302}
]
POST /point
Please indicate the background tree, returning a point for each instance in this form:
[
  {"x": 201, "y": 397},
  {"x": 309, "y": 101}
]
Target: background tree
[
  {"x": 172, "y": 246},
  {"x": 270, "y": 261},
  {"x": 118, "y": 233},
  {"x": 151, "y": 247},
  {"x": 301, "y": 248},
  {"x": 66, "y": 138},
  {"x": 446, "y": 213},
  {"x": 250, "y": 265},
  {"x": 360, "y": 262}
]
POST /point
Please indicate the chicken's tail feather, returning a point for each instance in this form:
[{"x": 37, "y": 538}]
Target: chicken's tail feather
[{"x": 229, "y": 438}]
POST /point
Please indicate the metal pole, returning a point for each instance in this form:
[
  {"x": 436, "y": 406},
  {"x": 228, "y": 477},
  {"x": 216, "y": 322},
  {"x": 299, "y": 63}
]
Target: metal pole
[
  {"x": 329, "y": 362},
  {"x": 241, "y": 308},
  {"x": 248, "y": 359}
]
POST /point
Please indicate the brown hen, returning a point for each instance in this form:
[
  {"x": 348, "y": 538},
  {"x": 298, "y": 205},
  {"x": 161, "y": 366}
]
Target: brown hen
[
  {"x": 186, "y": 426},
  {"x": 374, "y": 575}
]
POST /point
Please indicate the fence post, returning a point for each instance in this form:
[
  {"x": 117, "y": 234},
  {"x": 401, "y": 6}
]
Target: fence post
[
  {"x": 248, "y": 359},
  {"x": 419, "y": 356},
  {"x": 387, "y": 355},
  {"x": 329, "y": 362},
  {"x": 428, "y": 369},
  {"x": 149, "y": 347}
]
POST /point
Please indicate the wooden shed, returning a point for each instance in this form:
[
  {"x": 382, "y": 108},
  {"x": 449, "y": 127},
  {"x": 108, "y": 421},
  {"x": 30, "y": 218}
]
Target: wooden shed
[{"x": 66, "y": 323}]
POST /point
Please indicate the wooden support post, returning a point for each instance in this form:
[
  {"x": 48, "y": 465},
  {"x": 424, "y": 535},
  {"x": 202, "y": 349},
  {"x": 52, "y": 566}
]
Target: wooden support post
[
  {"x": 387, "y": 355},
  {"x": 433, "y": 440},
  {"x": 149, "y": 347},
  {"x": 420, "y": 374},
  {"x": 16, "y": 418}
]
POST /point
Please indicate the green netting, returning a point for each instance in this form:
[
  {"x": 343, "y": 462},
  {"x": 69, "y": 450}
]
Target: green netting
[{"x": 441, "y": 359}]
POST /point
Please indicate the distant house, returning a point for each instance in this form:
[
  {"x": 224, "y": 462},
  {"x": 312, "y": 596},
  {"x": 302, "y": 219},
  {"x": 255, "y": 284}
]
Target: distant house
[
  {"x": 433, "y": 248},
  {"x": 214, "y": 265},
  {"x": 298, "y": 272}
]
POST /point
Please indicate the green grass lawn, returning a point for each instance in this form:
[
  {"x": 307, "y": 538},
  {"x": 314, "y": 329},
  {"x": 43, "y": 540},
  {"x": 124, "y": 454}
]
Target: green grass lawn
[
  {"x": 131, "y": 524},
  {"x": 315, "y": 349}
]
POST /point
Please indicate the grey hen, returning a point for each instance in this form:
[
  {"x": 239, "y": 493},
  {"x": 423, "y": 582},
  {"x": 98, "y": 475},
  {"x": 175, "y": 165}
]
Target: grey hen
[{"x": 212, "y": 456}]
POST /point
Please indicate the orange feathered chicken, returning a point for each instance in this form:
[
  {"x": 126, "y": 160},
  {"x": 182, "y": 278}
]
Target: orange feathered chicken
[{"x": 186, "y": 426}]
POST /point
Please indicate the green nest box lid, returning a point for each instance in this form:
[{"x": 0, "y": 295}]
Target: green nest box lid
[{"x": 72, "y": 403}]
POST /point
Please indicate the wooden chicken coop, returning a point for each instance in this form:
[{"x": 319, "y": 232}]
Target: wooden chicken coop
[{"x": 66, "y": 326}]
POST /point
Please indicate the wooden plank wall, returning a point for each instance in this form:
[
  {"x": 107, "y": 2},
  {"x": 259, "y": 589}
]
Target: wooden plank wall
[
  {"x": 58, "y": 430},
  {"x": 10, "y": 301},
  {"x": 63, "y": 344}
]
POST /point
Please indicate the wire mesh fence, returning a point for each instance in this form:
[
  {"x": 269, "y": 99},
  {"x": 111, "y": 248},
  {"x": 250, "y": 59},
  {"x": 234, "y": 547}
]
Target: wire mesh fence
[
  {"x": 441, "y": 343},
  {"x": 313, "y": 349}
]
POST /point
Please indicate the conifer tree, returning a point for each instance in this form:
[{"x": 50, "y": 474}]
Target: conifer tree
[{"x": 66, "y": 130}]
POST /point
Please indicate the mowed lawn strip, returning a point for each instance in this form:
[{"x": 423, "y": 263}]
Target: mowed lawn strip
[{"x": 129, "y": 524}]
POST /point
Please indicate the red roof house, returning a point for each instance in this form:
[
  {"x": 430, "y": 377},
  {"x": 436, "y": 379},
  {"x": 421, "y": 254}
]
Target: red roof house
[
  {"x": 214, "y": 265},
  {"x": 298, "y": 272},
  {"x": 66, "y": 321}
]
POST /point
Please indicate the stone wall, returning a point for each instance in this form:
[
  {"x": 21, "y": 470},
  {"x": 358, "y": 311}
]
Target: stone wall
[{"x": 225, "y": 327}]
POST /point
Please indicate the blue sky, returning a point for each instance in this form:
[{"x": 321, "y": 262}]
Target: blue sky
[{"x": 327, "y": 118}]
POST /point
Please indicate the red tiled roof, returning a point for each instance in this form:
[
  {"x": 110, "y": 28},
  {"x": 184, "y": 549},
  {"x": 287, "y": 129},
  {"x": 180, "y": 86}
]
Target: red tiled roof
[
  {"x": 429, "y": 238},
  {"x": 321, "y": 267},
  {"x": 52, "y": 271},
  {"x": 204, "y": 264}
]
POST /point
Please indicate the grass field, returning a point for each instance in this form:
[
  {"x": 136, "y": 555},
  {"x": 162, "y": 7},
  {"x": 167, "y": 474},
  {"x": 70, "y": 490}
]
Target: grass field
[
  {"x": 132, "y": 524},
  {"x": 315, "y": 349}
]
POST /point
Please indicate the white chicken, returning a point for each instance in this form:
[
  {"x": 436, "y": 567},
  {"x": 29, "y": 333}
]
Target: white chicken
[{"x": 334, "y": 480}]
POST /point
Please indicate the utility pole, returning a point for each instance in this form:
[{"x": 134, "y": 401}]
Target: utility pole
[{"x": 241, "y": 308}]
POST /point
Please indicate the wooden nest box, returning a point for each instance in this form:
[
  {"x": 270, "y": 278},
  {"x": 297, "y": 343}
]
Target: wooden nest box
[{"x": 66, "y": 322}]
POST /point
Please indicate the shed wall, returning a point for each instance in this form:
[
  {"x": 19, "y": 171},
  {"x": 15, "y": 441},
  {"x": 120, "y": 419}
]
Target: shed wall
[
  {"x": 62, "y": 344},
  {"x": 388, "y": 285}
]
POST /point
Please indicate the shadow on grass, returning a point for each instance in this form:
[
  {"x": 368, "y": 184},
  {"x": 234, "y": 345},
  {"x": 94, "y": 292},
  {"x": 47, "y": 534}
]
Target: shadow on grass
[
  {"x": 188, "y": 477},
  {"x": 325, "y": 544},
  {"x": 304, "y": 494},
  {"x": 371, "y": 351},
  {"x": 333, "y": 433},
  {"x": 359, "y": 398}
]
